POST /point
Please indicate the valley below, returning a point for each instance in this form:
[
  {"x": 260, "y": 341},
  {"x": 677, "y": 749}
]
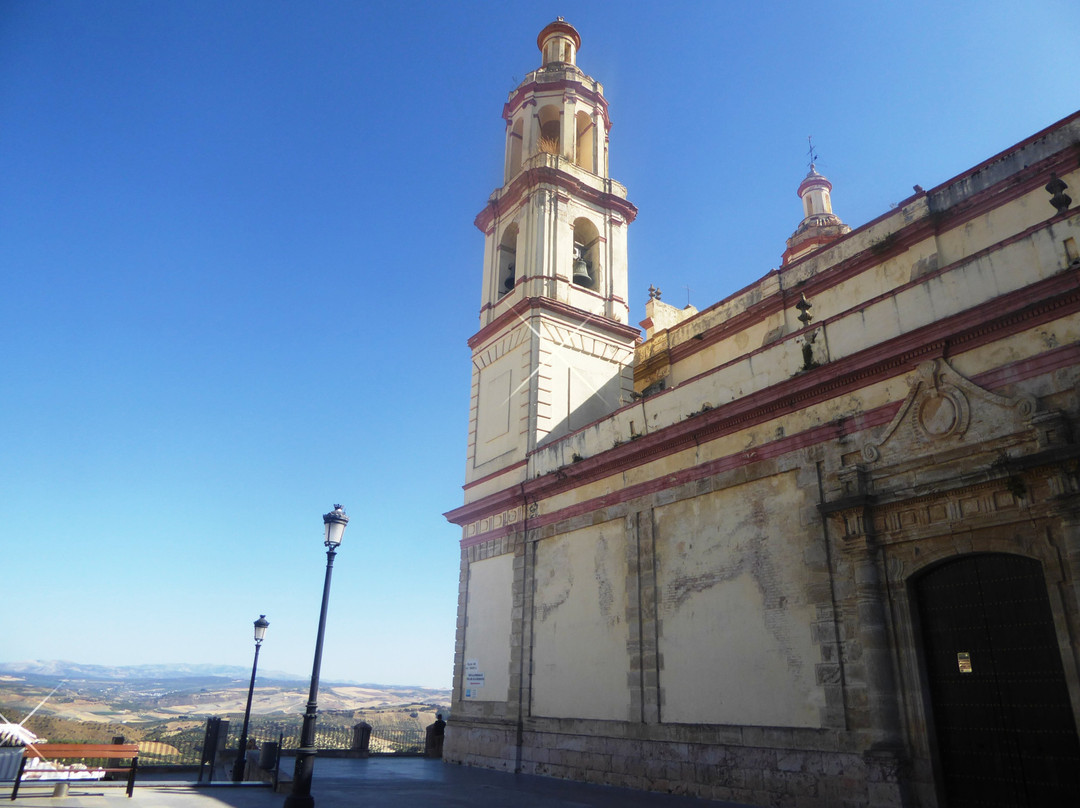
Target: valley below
[{"x": 171, "y": 705}]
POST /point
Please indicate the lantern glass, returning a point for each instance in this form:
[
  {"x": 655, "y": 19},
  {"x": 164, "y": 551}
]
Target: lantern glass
[
  {"x": 335, "y": 522},
  {"x": 260, "y": 628}
]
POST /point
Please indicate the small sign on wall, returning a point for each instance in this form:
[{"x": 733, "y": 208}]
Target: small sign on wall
[
  {"x": 474, "y": 678},
  {"x": 963, "y": 661}
]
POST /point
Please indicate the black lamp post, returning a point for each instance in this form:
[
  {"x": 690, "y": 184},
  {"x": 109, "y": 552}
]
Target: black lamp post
[
  {"x": 300, "y": 797},
  {"x": 260, "y": 632}
]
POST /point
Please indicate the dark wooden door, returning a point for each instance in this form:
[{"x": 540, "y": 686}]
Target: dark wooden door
[{"x": 1001, "y": 713}]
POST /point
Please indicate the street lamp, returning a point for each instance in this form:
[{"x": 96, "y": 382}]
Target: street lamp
[
  {"x": 334, "y": 523},
  {"x": 260, "y": 632}
]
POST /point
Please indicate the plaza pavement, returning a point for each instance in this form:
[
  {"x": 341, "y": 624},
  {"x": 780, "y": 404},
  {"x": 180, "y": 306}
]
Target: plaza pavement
[{"x": 368, "y": 783}]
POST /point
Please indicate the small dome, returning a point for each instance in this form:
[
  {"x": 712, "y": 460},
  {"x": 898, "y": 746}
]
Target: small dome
[
  {"x": 813, "y": 180},
  {"x": 559, "y": 42}
]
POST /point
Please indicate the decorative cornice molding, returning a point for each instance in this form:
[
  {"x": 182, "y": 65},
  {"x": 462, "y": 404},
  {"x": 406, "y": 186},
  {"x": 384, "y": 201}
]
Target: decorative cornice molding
[
  {"x": 522, "y": 94},
  {"x": 494, "y": 474},
  {"x": 619, "y": 332},
  {"x": 531, "y": 178}
]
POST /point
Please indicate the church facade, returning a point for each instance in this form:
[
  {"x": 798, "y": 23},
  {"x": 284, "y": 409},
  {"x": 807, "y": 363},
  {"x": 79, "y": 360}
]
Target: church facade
[{"x": 817, "y": 544}]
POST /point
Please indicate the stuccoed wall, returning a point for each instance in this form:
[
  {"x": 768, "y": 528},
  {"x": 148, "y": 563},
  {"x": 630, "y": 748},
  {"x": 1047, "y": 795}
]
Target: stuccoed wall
[
  {"x": 579, "y": 625},
  {"x": 735, "y": 607},
  {"x": 487, "y": 638}
]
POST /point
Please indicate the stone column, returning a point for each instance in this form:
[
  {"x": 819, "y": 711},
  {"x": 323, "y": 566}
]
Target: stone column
[
  {"x": 520, "y": 695},
  {"x": 882, "y": 715},
  {"x": 874, "y": 707},
  {"x": 568, "y": 128},
  {"x": 641, "y": 619},
  {"x": 530, "y": 134}
]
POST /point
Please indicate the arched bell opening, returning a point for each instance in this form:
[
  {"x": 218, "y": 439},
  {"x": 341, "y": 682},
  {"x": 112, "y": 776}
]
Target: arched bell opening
[
  {"x": 586, "y": 142},
  {"x": 550, "y": 120},
  {"x": 585, "y": 261},
  {"x": 508, "y": 260}
]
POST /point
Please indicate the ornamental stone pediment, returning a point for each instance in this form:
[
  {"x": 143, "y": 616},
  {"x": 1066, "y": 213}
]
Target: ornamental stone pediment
[{"x": 944, "y": 410}]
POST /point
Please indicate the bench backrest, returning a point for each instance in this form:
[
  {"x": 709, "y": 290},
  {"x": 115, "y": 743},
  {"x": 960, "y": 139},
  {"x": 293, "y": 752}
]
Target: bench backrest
[{"x": 81, "y": 750}]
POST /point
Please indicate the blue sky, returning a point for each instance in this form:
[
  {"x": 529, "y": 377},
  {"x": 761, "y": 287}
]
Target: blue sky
[{"x": 238, "y": 270}]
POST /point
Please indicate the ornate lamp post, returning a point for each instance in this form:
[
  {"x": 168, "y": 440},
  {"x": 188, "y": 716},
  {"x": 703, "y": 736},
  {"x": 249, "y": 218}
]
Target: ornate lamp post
[
  {"x": 300, "y": 797},
  {"x": 260, "y": 632}
]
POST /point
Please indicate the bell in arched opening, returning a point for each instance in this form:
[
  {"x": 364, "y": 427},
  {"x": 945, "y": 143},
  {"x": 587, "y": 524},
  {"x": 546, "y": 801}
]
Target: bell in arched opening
[{"x": 582, "y": 275}]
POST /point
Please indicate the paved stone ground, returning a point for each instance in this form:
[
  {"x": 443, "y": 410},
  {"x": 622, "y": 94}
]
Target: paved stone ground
[{"x": 371, "y": 783}]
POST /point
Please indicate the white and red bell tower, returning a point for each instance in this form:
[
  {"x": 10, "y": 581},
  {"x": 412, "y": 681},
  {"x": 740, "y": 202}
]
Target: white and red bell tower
[{"x": 554, "y": 348}]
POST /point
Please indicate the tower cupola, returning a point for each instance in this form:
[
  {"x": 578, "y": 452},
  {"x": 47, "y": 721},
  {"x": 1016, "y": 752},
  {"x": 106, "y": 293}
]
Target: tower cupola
[
  {"x": 558, "y": 42},
  {"x": 820, "y": 225},
  {"x": 814, "y": 193}
]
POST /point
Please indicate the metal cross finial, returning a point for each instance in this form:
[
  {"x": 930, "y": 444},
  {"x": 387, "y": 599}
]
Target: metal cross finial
[{"x": 811, "y": 152}]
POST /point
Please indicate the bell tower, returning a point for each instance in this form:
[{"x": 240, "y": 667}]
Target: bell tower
[{"x": 554, "y": 348}]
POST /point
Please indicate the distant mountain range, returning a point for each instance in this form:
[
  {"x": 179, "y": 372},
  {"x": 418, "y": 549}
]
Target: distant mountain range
[
  {"x": 56, "y": 670},
  {"x": 63, "y": 669},
  {"x": 147, "y": 693}
]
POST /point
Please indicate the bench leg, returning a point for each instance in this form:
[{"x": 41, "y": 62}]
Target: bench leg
[
  {"x": 131, "y": 777},
  {"x": 18, "y": 779}
]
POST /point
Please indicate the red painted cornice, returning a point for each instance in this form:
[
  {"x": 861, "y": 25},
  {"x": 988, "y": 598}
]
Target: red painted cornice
[
  {"x": 494, "y": 474},
  {"x": 530, "y": 178},
  {"x": 619, "y": 331},
  {"x": 498, "y": 502},
  {"x": 577, "y": 289},
  {"x": 580, "y": 87}
]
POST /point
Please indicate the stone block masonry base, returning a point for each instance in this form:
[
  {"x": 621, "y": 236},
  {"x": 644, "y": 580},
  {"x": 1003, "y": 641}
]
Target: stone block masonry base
[{"x": 772, "y": 775}]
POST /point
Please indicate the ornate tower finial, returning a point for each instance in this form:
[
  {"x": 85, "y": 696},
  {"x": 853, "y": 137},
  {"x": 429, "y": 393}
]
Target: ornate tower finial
[{"x": 819, "y": 225}]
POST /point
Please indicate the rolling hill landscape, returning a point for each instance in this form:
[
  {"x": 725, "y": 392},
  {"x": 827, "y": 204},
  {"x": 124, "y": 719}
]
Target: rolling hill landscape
[{"x": 170, "y": 703}]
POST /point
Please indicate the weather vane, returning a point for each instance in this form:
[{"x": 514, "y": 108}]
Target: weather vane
[{"x": 811, "y": 152}]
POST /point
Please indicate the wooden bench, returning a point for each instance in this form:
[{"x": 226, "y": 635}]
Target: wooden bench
[{"x": 79, "y": 751}]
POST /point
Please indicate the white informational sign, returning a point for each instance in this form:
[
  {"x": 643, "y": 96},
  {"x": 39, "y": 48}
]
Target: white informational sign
[{"x": 474, "y": 678}]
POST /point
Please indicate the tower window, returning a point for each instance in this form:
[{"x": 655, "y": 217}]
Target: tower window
[
  {"x": 507, "y": 261},
  {"x": 550, "y": 130},
  {"x": 586, "y": 267}
]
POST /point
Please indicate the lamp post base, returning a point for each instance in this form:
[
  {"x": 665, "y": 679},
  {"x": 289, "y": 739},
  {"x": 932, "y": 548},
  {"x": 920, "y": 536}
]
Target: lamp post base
[
  {"x": 299, "y": 801},
  {"x": 300, "y": 796}
]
